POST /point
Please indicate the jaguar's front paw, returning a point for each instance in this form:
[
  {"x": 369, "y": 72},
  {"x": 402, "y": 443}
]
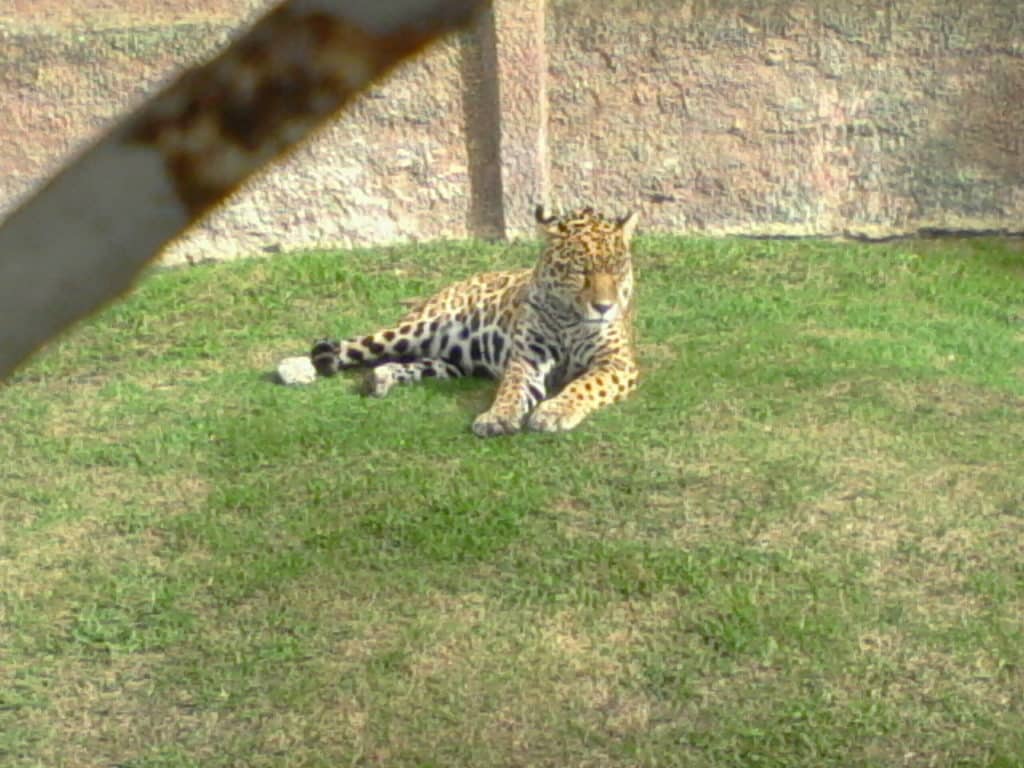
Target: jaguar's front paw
[
  {"x": 491, "y": 423},
  {"x": 325, "y": 356},
  {"x": 555, "y": 416}
]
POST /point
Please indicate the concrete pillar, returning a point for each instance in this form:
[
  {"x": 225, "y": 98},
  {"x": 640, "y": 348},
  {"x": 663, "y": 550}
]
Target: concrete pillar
[
  {"x": 504, "y": 69},
  {"x": 481, "y": 107},
  {"x": 522, "y": 70}
]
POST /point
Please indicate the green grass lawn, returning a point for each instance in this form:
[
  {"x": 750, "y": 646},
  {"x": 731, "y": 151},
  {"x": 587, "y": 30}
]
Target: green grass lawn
[{"x": 800, "y": 543}]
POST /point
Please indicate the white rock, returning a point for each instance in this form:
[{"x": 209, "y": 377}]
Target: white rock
[{"x": 296, "y": 370}]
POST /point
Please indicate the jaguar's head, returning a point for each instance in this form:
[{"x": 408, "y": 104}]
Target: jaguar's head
[{"x": 586, "y": 265}]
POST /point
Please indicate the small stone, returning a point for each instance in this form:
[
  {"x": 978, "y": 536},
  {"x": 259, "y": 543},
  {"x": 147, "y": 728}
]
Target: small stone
[{"x": 296, "y": 370}]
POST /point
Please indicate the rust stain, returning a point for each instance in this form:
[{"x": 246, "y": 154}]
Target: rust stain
[{"x": 218, "y": 124}]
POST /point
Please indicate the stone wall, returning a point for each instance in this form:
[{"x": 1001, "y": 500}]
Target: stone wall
[
  {"x": 394, "y": 169},
  {"x": 871, "y": 117},
  {"x": 794, "y": 117}
]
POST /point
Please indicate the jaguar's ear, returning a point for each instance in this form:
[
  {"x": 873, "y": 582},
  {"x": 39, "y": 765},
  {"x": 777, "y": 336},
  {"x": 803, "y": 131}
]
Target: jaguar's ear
[
  {"x": 626, "y": 226},
  {"x": 546, "y": 225}
]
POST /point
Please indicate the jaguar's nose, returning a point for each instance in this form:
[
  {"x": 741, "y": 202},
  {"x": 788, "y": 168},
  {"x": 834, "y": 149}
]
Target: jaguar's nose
[{"x": 602, "y": 307}]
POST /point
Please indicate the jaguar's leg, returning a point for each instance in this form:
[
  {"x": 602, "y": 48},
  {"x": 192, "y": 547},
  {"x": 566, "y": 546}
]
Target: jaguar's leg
[
  {"x": 608, "y": 381},
  {"x": 383, "y": 377},
  {"x": 522, "y": 387}
]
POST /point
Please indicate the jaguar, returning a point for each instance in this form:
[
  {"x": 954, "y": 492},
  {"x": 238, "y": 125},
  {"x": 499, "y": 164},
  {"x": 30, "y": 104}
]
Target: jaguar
[{"x": 557, "y": 336}]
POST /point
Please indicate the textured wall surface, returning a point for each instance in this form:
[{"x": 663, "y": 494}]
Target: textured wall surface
[
  {"x": 394, "y": 169},
  {"x": 870, "y": 117},
  {"x": 792, "y": 117}
]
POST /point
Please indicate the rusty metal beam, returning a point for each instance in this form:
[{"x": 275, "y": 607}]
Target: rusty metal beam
[{"x": 83, "y": 238}]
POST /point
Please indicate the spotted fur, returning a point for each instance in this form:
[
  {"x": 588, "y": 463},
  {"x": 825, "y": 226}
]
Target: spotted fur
[{"x": 558, "y": 336}]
